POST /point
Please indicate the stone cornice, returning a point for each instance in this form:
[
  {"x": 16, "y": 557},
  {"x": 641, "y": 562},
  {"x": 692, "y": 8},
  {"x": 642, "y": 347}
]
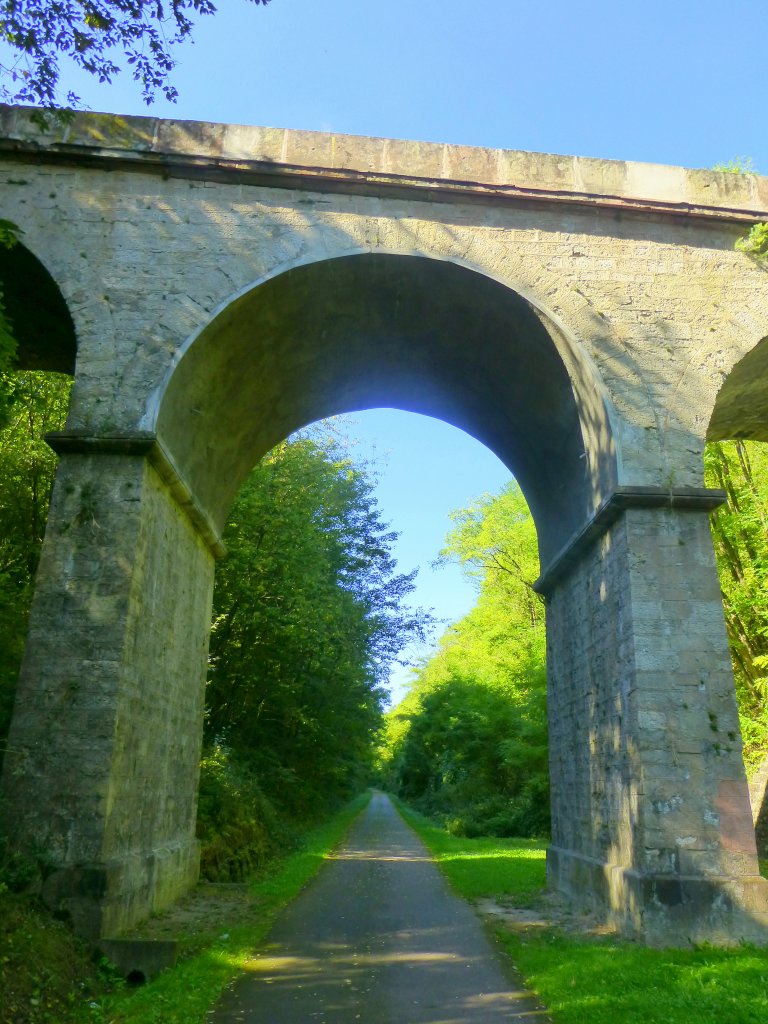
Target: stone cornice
[
  {"x": 432, "y": 172},
  {"x": 695, "y": 499},
  {"x": 148, "y": 445}
]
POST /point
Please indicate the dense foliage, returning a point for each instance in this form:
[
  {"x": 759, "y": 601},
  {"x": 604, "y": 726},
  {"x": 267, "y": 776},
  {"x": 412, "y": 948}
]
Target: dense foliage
[
  {"x": 755, "y": 243},
  {"x": 97, "y": 36},
  {"x": 308, "y": 614},
  {"x": 47, "y": 976},
  {"x": 740, "y": 533},
  {"x": 469, "y": 742},
  {"x": 27, "y": 466}
]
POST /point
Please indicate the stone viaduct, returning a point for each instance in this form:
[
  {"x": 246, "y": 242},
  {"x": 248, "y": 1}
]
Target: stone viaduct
[{"x": 222, "y": 286}]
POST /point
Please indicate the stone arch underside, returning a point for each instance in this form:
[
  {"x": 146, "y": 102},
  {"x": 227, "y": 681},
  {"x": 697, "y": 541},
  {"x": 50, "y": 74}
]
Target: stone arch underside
[
  {"x": 40, "y": 319},
  {"x": 370, "y": 330},
  {"x": 436, "y": 338},
  {"x": 741, "y": 406}
]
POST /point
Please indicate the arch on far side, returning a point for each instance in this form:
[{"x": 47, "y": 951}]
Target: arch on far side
[
  {"x": 38, "y": 313},
  {"x": 741, "y": 406},
  {"x": 408, "y": 332},
  {"x": 741, "y": 414}
]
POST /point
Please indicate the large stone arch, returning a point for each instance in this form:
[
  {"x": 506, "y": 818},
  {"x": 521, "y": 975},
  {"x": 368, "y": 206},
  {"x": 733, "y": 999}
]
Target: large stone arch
[
  {"x": 135, "y": 525},
  {"x": 377, "y": 329},
  {"x": 197, "y": 231}
]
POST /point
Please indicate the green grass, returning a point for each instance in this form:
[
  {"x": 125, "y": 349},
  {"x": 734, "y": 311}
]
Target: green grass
[
  {"x": 184, "y": 994},
  {"x": 485, "y": 866},
  {"x": 589, "y": 981}
]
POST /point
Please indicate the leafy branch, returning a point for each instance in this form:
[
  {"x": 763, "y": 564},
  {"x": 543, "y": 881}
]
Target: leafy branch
[
  {"x": 97, "y": 36},
  {"x": 755, "y": 244}
]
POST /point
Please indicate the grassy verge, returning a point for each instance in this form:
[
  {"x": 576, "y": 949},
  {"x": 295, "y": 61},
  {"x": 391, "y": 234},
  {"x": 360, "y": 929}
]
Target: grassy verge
[
  {"x": 597, "y": 981},
  {"x": 46, "y": 974},
  {"x": 485, "y": 866},
  {"x": 184, "y": 994}
]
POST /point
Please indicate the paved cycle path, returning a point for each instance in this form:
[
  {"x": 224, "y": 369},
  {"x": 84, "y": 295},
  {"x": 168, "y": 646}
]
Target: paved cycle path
[{"x": 377, "y": 938}]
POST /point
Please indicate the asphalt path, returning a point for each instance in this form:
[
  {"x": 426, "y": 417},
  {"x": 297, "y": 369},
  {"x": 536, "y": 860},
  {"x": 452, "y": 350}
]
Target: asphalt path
[{"x": 377, "y": 938}]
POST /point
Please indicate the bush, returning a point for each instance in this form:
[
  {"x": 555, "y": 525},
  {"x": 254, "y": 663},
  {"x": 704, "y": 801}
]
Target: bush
[
  {"x": 756, "y": 242},
  {"x": 18, "y": 872},
  {"x": 525, "y": 815},
  {"x": 240, "y": 829},
  {"x": 475, "y": 758}
]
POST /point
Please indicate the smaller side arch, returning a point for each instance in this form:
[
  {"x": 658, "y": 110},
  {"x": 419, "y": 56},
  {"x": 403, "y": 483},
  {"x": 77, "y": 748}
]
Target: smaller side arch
[
  {"x": 741, "y": 406},
  {"x": 40, "y": 319}
]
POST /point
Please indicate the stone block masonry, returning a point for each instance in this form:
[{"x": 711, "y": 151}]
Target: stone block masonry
[
  {"x": 113, "y": 679},
  {"x": 590, "y": 321},
  {"x": 651, "y": 808}
]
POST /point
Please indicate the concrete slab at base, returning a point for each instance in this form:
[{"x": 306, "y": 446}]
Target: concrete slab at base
[
  {"x": 664, "y": 910},
  {"x": 139, "y": 960}
]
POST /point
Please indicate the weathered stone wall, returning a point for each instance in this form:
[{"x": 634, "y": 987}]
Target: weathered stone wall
[
  {"x": 153, "y": 793},
  {"x": 593, "y": 764},
  {"x": 102, "y": 762},
  {"x": 654, "y": 298},
  {"x": 651, "y": 807}
]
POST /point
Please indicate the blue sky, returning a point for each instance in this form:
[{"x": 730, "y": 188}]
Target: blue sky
[{"x": 679, "y": 83}]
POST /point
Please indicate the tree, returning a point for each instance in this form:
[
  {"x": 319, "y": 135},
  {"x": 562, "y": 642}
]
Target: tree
[
  {"x": 469, "y": 742},
  {"x": 308, "y": 613},
  {"x": 27, "y": 466},
  {"x": 494, "y": 539},
  {"x": 740, "y": 534},
  {"x": 96, "y": 35},
  {"x": 9, "y": 233}
]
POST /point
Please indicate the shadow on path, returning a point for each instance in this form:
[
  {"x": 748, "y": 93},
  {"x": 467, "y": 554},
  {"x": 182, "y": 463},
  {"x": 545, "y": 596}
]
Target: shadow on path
[{"x": 377, "y": 938}]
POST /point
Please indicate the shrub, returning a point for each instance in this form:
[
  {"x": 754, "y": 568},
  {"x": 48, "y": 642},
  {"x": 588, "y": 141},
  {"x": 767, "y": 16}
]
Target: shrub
[
  {"x": 756, "y": 242},
  {"x": 240, "y": 829}
]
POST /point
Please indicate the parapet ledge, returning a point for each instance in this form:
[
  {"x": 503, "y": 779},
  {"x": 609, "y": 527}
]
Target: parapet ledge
[{"x": 327, "y": 159}]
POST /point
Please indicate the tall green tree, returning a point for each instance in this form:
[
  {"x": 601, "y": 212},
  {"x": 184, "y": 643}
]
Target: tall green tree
[
  {"x": 740, "y": 534},
  {"x": 27, "y": 467},
  {"x": 309, "y": 611},
  {"x": 469, "y": 742}
]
